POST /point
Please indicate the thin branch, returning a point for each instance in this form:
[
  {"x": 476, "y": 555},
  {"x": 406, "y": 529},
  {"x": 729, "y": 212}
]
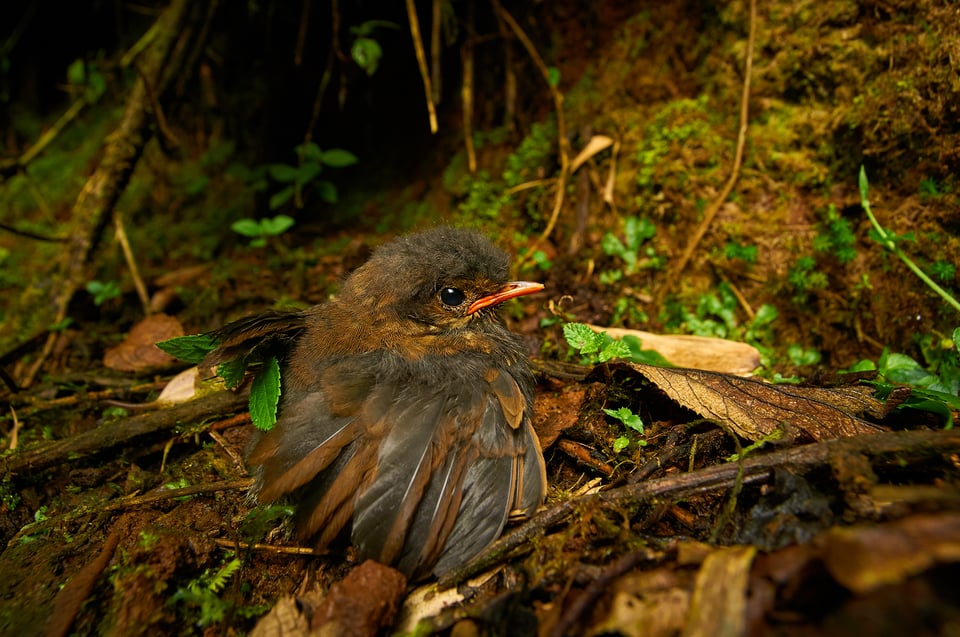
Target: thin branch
[
  {"x": 435, "y": 50},
  {"x": 422, "y": 62},
  {"x": 561, "y": 122},
  {"x": 711, "y": 212},
  {"x": 131, "y": 262},
  {"x": 466, "y": 91}
]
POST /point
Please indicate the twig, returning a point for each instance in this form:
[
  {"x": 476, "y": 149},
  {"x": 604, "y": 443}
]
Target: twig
[
  {"x": 302, "y": 33},
  {"x": 230, "y": 451},
  {"x": 131, "y": 262},
  {"x": 561, "y": 122},
  {"x": 422, "y": 62},
  {"x": 711, "y": 212},
  {"x": 466, "y": 91},
  {"x": 435, "y": 50},
  {"x": 270, "y": 548},
  {"x": 14, "y": 430}
]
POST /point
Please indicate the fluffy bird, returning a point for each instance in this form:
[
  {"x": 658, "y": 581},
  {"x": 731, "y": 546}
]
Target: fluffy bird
[{"x": 406, "y": 405}]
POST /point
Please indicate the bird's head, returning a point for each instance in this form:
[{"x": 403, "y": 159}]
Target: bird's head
[{"x": 442, "y": 279}]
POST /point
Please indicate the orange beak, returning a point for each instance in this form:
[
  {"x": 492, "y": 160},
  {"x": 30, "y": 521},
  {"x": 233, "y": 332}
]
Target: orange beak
[{"x": 509, "y": 291}]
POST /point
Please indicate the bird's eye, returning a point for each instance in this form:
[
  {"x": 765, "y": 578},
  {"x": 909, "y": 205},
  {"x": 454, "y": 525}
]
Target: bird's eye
[{"x": 452, "y": 296}]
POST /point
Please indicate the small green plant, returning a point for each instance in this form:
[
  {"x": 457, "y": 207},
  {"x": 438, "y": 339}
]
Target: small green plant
[
  {"x": 87, "y": 77},
  {"x": 636, "y": 232},
  {"x": 259, "y": 230},
  {"x": 366, "y": 51},
  {"x": 944, "y": 270},
  {"x": 532, "y": 157},
  {"x": 804, "y": 278},
  {"x": 891, "y": 241},
  {"x": 743, "y": 252},
  {"x": 931, "y": 188},
  {"x": 103, "y": 291},
  {"x": 836, "y": 237},
  {"x": 801, "y": 356},
  {"x": 631, "y": 421},
  {"x": 295, "y": 179},
  {"x": 202, "y": 594},
  {"x": 599, "y": 347},
  {"x": 934, "y": 387}
]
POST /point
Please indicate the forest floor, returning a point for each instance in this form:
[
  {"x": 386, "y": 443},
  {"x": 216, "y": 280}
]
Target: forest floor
[{"x": 803, "y": 482}]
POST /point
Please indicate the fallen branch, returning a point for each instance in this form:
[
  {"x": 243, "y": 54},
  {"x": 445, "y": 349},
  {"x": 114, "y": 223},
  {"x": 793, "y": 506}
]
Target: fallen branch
[{"x": 112, "y": 434}]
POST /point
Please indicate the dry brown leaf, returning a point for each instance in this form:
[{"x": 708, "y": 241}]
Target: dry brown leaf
[
  {"x": 754, "y": 409},
  {"x": 699, "y": 352},
  {"x": 718, "y": 606},
  {"x": 864, "y": 558},
  {"x": 138, "y": 351}
]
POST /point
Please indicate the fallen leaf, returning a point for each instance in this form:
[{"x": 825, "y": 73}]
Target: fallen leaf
[
  {"x": 138, "y": 351},
  {"x": 718, "y": 605},
  {"x": 698, "y": 352},
  {"x": 864, "y": 558},
  {"x": 755, "y": 409}
]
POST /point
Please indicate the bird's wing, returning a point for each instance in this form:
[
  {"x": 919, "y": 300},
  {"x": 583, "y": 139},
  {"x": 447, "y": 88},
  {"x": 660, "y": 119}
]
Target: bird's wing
[
  {"x": 449, "y": 472},
  {"x": 255, "y": 338}
]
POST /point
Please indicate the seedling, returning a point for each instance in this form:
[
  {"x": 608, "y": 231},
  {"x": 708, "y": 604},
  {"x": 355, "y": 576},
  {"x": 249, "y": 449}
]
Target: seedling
[
  {"x": 103, "y": 291},
  {"x": 259, "y": 230},
  {"x": 629, "y": 420}
]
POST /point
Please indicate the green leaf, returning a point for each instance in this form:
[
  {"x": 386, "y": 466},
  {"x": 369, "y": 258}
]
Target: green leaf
[
  {"x": 247, "y": 227},
  {"x": 612, "y": 246},
  {"x": 308, "y": 172},
  {"x": 276, "y": 225},
  {"x": 283, "y": 173},
  {"x": 190, "y": 349},
  {"x": 366, "y": 52},
  {"x": 627, "y": 417},
  {"x": 581, "y": 338},
  {"x": 309, "y": 152},
  {"x": 278, "y": 199},
  {"x": 864, "y": 185},
  {"x": 553, "y": 76},
  {"x": 77, "y": 72},
  {"x": 636, "y": 231},
  {"x": 643, "y": 356},
  {"x": 956, "y": 338},
  {"x": 613, "y": 349},
  {"x": 327, "y": 191},
  {"x": 900, "y": 368},
  {"x": 232, "y": 372},
  {"x": 338, "y": 158},
  {"x": 265, "y": 395},
  {"x": 620, "y": 444}
]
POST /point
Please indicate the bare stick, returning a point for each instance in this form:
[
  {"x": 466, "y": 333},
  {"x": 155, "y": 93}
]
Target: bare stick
[
  {"x": 131, "y": 262},
  {"x": 422, "y": 63}
]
